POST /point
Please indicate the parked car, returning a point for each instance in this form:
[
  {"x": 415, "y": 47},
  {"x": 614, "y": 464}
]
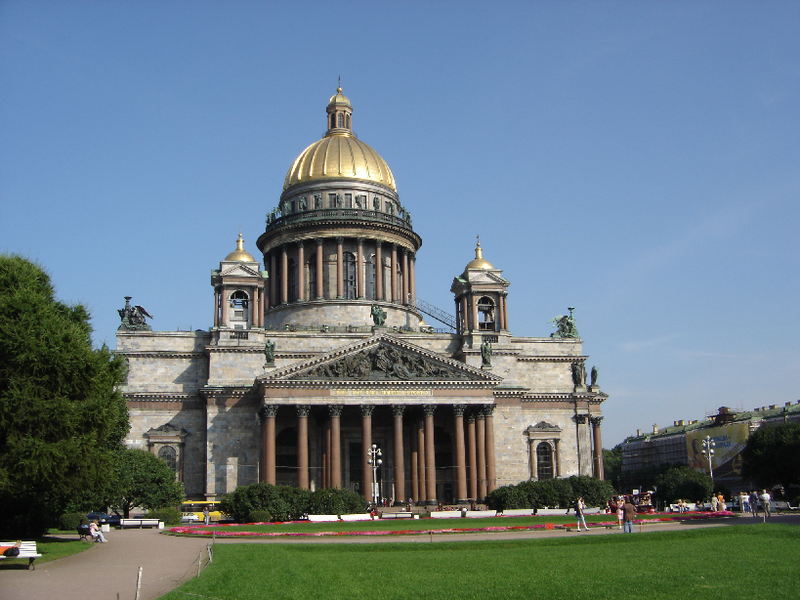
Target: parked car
[
  {"x": 189, "y": 517},
  {"x": 103, "y": 518}
]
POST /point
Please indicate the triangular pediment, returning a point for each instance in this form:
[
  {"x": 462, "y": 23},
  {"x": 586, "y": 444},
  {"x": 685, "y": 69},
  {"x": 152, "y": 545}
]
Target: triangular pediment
[
  {"x": 240, "y": 270},
  {"x": 381, "y": 358}
]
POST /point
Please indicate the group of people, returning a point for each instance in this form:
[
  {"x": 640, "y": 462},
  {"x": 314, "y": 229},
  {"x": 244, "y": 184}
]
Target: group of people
[{"x": 749, "y": 502}]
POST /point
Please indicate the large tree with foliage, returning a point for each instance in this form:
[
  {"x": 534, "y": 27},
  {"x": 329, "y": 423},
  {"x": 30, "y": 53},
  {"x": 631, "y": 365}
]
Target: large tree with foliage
[
  {"x": 143, "y": 479},
  {"x": 772, "y": 456},
  {"x": 62, "y": 417},
  {"x": 683, "y": 483},
  {"x": 612, "y": 466}
]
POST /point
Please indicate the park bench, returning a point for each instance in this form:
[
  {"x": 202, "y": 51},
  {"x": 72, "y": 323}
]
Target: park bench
[
  {"x": 397, "y": 515},
  {"x": 84, "y": 533},
  {"x": 446, "y": 514},
  {"x": 140, "y": 523},
  {"x": 516, "y": 512},
  {"x": 781, "y": 505},
  {"x": 357, "y": 517},
  {"x": 323, "y": 518},
  {"x": 479, "y": 514},
  {"x": 27, "y": 550}
]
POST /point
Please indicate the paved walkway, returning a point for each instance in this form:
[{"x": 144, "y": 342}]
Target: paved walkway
[{"x": 111, "y": 569}]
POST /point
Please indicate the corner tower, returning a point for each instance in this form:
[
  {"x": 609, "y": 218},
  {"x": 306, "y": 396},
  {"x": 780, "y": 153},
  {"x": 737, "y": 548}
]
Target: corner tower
[{"x": 339, "y": 240}]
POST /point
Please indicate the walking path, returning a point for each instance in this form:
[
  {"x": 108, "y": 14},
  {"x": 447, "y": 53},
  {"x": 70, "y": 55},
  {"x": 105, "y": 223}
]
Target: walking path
[{"x": 109, "y": 571}]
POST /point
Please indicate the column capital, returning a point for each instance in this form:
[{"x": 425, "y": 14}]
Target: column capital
[
  {"x": 300, "y": 243},
  {"x": 404, "y": 250},
  {"x": 339, "y": 239},
  {"x": 488, "y": 410},
  {"x": 319, "y": 241},
  {"x": 580, "y": 419},
  {"x": 595, "y": 421},
  {"x": 335, "y": 410},
  {"x": 459, "y": 409},
  {"x": 366, "y": 410},
  {"x": 269, "y": 411},
  {"x": 428, "y": 409},
  {"x": 360, "y": 240},
  {"x": 303, "y": 410},
  {"x": 398, "y": 409},
  {"x": 471, "y": 417},
  {"x": 378, "y": 243}
]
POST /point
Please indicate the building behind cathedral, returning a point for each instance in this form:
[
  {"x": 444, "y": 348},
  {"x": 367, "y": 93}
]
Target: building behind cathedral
[{"x": 324, "y": 353}]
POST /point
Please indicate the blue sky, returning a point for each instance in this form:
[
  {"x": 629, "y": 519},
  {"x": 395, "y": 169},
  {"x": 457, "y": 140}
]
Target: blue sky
[{"x": 639, "y": 161}]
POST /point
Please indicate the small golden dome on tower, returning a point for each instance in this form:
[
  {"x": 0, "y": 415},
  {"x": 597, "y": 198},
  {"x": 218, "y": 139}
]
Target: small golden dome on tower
[
  {"x": 240, "y": 254},
  {"x": 479, "y": 262}
]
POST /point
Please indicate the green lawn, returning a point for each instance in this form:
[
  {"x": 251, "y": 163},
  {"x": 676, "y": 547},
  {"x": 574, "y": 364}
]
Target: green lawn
[
  {"x": 752, "y": 562},
  {"x": 51, "y": 547}
]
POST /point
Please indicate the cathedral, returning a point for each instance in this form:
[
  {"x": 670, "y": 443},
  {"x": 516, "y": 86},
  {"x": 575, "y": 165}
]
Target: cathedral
[{"x": 320, "y": 371}]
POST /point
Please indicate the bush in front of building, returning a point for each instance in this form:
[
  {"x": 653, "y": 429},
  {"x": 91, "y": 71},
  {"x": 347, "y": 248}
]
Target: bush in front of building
[
  {"x": 336, "y": 501},
  {"x": 245, "y": 499},
  {"x": 550, "y": 493},
  {"x": 259, "y": 516},
  {"x": 69, "y": 521},
  {"x": 684, "y": 483},
  {"x": 170, "y": 516}
]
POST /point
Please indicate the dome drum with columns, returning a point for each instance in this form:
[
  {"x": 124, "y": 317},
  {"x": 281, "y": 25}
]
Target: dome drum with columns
[{"x": 311, "y": 359}]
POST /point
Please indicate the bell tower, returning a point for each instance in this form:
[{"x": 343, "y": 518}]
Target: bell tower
[
  {"x": 481, "y": 299},
  {"x": 239, "y": 298}
]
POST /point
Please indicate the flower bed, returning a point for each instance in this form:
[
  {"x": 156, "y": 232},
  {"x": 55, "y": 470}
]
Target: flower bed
[{"x": 223, "y": 530}]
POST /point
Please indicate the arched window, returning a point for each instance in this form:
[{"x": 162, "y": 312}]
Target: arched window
[
  {"x": 340, "y": 119},
  {"x": 486, "y": 314},
  {"x": 349, "y": 272},
  {"x": 544, "y": 460},
  {"x": 239, "y": 299},
  {"x": 169, "y": 456}
]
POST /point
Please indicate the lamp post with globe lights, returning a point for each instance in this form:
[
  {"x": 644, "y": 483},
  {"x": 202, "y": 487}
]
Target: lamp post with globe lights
[
  {"x": 375, "y": 461},
  {"x": 708, "y": 452}
]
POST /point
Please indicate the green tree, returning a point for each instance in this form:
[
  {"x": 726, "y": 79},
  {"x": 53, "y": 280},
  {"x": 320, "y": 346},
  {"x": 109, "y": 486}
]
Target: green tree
[
  {"x": 61, "y": 415},
  {"x": 143, "y": 479},
  {"x": 612, "y": 465},
  {"x": 683, "y": 483},
  {"x": 772, "y": 455}
]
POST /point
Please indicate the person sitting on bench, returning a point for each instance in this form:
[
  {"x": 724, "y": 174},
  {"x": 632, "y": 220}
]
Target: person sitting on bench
[{"x": 97, "y": 534}]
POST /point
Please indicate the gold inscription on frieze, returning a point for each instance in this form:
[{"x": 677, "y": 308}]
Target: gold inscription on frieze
[{"x": 366, "y": 392}]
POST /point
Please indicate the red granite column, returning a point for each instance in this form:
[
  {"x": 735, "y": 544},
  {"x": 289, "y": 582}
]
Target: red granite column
[
  {"x": 491, "y": 469},
  {"x": 399, "y": 462},
  {"x": 480, "y": 424},
  {"x": 326, "y": 455},
  {"x": 270, "y": 412},
  {"x": 319, "y": 292},
  {"x": 461, "y": 461},
  {"x": 335, "y": 412},
  {"x": 423, "y": 496},
  {"x": 414, "y": 466},
  {"x": 339, "y": 267},
  {"x": 597, "y": 450},
  {"x": 472, "y": 454},
  {"x": 430, "y": 456},
  {"x": 301, "y": 271},
  {"x": 225, "y": 303},
  {"x": 378, "y": 270},
  {"x": 360, "y": 265},
  {"x": 394, "y": 273},
  {"x": 464, "y": 314},
  {"x": 404, "y": 298},
  {"x": 302, "y": 447},
  {"x": 216, "y": 307},
  {"x": 273, "y": 280},
  {"x": 284, "y": 275},
  {"x": 413, "y": 276},
  {"x": 366, "y": 445}
]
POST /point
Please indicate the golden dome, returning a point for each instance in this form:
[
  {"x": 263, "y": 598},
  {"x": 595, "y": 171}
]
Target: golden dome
[
  {"x": 240, "y": 254},
  {"x": 339, "y": 154},
  {"x": 479, "y": 262}
]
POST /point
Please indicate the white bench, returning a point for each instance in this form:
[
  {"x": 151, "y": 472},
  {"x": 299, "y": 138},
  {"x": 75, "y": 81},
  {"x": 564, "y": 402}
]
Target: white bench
[
  {"x": 323, "y": 518},
  {"x": 516, "y": 512},
  {"x": 140, "y": 523},
  {"x": 358, "y": 517},
  {"x": 480, "y": 514},
  {"x": 445, "y": 514},
  {"x": 27, "y": 550},
  {"x": 398, "y": 515}
]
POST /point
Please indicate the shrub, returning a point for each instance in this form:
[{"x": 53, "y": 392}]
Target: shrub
[
  {"x": 593, "y": 491},
  {"x": 297, "y": 502},
  {"x": 256, "y": 497},
  {"x": 686, "y": 483},
  {"x": 336, "y": 501},
  {"x": 170, "y": 516},
  {"x": 69, "y": 521},
  {"x": 259, "y": 516},
  {"x": 506, "y": 498}
]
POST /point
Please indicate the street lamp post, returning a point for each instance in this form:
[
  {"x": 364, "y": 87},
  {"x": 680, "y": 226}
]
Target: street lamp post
[
  {"x": 708, "y": 452},
  {"x": 375, "y": 461}
]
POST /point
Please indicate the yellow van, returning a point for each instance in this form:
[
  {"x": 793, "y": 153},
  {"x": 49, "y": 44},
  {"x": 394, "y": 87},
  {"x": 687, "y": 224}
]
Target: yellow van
[{"x": 192, "y": 511}]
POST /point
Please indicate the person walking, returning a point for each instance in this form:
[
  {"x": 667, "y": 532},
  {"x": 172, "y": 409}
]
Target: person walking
[
  {"x": 744, "y": 503},
  {"x": 579, "y": 507},
  {"x": 206, "y": 516},
  {"x": 714, "y": 502},
  {"x": 754, "y": 503},
  {"x": 629, "y": 511},
  {"x": 765, "y": 500}
]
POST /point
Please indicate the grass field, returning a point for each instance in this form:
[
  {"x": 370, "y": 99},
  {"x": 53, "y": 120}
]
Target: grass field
[
  {"x": 749, "y": 562},
  {"x": 51, "y": 548}
]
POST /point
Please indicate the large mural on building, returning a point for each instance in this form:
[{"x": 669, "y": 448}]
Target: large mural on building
[{"x": 729, "y": 441}]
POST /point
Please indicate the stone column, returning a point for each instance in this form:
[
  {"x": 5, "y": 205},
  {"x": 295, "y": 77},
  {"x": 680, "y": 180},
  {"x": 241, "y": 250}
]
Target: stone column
[
  {"x": 284, "y": 275},
  {"x": 366, "y": 445},
  {"x": 473, "y": 296},
  {"x": 481, "y": 443},
  {"x": 597, "y": 450},
  {"x": 472, "y": 454},
  {"x": 423, "y": 495},
  {"x": 464, "y": 314},
  {"x": 378, "y": 270},
  {"x": 225, "y": 303},
  {"x": 404, "y": 298},
  {"x": 268, "y": 452},
  {"x": 413, "y": 276},
  {"x": 534, "y": 465},
  {"x": 216, "y": 307},
  {"x": 335, "y": 411},
  {"x": 360, "y": 269},
  {"x": 430, "y": 456},
  {"x": 414, "y": 465},
  {"x": 326, "y": 455},
  {"x": 301, "y": 271},
  {"x": 394, "y": 273},
  {"x": 557, "y": 458},
  {"x": 263, "y": 307},
  {"x": 273, "y": 280},
  {"x": 339, "y": 268},
  {"x": 491, "y": 470},
  {"x": 320, "y": 294},
  {"x": 461, "y": 460},
  {"x": 399, "y": 462},
  {"x": 302, "y": 447}
]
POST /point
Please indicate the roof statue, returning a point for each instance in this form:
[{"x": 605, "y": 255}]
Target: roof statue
[
  {"x": 565, "y": 326},
  {"x": 133, "y": 317}
]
